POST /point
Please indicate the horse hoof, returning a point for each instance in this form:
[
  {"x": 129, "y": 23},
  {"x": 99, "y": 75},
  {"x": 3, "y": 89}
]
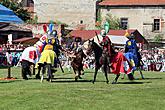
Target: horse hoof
[
  {"x": 114, "y": 82},
  {"x": 93, "y": 82},
  {"x": 80, "y": 77},
  {"x": 76, "y": 78},
  {"x": 50, "y": 80},
  {"x": 38, "y": 77},
  {"x": 107, "y": 82}
]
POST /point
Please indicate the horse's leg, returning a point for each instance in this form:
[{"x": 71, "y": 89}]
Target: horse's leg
[
  {"x": 130, "y": 76},
  {"x": 76, "y": 77},
  {"x": 105, "y": 73},
  {"x": 38, "y": 74},
  {"x": 96, "y": 70},
  {"x": 49, "y": 73},
  {"x": 141, "y": 73},
  {"x": 123, "y": 76},
  {"x": 115, "y": 80},
  {"x": 79, "y": 73},
  {"x": 43, "y": 71}
]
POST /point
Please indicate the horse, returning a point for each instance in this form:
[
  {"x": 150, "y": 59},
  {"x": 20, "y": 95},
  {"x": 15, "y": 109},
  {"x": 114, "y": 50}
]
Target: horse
[
  {"x": 117, "y": 60},
  {"x": 47, "y": 61},
  {"x": 77, "y": 64}
]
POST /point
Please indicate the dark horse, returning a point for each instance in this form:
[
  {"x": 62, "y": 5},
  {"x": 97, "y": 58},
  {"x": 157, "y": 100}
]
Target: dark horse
[
  {"x": 77, "y": 64},
  {"x": 92, "y": 46}
]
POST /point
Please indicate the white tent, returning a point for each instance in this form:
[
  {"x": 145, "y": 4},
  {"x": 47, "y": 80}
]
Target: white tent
[{"x": 116, "y": 40}]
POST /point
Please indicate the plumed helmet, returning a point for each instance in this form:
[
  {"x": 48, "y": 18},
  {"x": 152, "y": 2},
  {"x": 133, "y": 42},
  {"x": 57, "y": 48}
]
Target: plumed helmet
[
  {"x": 103, "y": 33},
  {"x": 131, "y": 36}
]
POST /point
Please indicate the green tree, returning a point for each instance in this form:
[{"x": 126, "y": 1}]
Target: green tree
[
  {"x": 113, "y": 21},
  {"x": 17, "y": 9}
]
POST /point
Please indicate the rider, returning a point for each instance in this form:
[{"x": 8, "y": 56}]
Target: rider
[
  {"x": 131, "y": 47},
  {"x": 108, "y": 51}
]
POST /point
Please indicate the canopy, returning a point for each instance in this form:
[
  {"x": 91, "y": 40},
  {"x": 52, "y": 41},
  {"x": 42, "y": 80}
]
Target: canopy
[
  {"x": 8, "y": 16},
  {"x": 116, "y": 40}
]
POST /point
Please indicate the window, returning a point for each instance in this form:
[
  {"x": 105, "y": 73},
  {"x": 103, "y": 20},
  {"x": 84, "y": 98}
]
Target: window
[
  {"x": 156, "y": 24},
  {"x": 124, "y": 23}
]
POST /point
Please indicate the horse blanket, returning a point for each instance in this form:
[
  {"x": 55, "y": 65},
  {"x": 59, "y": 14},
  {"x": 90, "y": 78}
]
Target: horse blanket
[
  {"x": 120, "y": 64},
  {"x": 47, "y": 56},
  {"x": 30, "y": 54}
]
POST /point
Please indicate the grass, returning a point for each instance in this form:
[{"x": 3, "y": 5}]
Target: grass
[{"x": 65, "y": 94}]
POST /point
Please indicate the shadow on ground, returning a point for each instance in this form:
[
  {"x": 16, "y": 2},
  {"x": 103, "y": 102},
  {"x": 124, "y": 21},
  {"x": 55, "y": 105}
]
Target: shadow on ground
[{"x": 133, "y": 82}]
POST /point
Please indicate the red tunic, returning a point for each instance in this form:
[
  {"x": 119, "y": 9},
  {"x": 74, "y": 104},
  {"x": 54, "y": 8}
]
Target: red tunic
[{"x": 106, "y": 43}]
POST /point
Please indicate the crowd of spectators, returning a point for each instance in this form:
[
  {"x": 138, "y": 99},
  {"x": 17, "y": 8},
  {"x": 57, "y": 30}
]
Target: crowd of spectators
[
  {"x": 153, "y": 59},
  {"x": 10, "y": 54}
]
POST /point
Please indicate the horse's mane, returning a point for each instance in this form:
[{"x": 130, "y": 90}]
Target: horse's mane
[
  {"x": 97, "y": 51},
  {"x": 97, "y": 47}
]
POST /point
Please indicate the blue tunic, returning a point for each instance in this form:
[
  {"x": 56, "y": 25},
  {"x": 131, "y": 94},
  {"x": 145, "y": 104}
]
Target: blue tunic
[{"x": 131, "y": 52}]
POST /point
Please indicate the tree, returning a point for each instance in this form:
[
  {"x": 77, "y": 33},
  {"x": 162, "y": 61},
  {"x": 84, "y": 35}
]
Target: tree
[
  {"x": 17, "y": 9},
  {"x": 112, "y": 20}
]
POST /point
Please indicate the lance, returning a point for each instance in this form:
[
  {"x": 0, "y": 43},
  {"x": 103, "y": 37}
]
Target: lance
[{"x": 97, "y": 37}]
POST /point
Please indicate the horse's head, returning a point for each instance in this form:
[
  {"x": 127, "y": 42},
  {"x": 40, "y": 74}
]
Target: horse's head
[{"x": 90, "y": 46}]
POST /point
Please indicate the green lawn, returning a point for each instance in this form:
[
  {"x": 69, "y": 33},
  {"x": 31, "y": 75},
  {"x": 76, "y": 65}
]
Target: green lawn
[{"x": 65, "y": 94}]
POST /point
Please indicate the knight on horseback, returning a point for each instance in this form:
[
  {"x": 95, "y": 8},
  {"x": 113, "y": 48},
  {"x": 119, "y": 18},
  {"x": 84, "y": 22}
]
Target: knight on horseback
[
  {"x": 53, "y": 41},
  {"x": 108, "y": 51},
  {"x": 77, "y": 64}
]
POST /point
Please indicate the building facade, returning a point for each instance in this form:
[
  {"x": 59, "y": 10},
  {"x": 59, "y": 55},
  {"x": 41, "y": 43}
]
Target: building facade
[
  {"x": 70, "y": 12},
  {"x": 147, "y": 16}
]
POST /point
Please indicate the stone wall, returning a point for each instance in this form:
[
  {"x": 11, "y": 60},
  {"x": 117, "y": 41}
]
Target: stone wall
[
  {"x": 70, "y": 12},
  {"x": 141, "y": 18}
]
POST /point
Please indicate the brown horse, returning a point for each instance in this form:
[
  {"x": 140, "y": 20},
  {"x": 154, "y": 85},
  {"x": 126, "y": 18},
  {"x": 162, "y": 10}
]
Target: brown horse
[
  {"x": 77, "y": 64},
  {"x": 117, "y": 62}
]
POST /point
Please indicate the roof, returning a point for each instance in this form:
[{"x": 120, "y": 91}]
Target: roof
[
  {"x": 7, "y": 15},
  {"x": 88, "y": 34},
  {"x": 26, "y": 40},
  {"x": 131, "y": 2},
  {"x": 83, "y": 34},
  {"x": 13, "y": 27}
]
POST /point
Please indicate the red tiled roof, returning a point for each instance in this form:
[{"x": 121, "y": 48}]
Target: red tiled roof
[
  {"x": 83, "y": 34},
  {"x": 88, "y": 34},
  {"x": 131, "y": 2}
]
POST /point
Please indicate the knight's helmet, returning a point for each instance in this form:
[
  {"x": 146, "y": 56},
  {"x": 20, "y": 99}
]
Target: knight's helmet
[
  {"x": 129, "y": 36},
  {"x": 103, "y": 33},
  {"x": 50, "y": 39}
]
